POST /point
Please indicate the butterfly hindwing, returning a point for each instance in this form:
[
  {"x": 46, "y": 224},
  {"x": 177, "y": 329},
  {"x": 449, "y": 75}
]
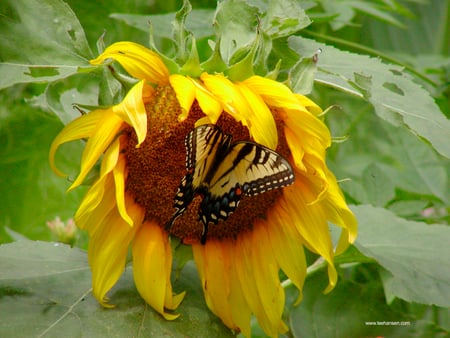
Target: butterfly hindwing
[{"x": 222, "y": 172}]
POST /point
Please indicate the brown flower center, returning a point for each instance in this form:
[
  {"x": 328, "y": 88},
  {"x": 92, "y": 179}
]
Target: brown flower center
[{"x": 156, "y": 168}]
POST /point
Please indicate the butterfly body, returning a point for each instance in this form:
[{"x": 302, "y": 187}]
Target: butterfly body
[{"x": 221, "y": 172}]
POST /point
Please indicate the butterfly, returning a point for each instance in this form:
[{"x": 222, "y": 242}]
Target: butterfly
[{"x": 221, "y": 172}]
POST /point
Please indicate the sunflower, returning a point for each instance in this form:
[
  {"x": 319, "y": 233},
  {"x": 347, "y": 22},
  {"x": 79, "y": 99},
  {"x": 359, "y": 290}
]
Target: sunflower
[{"x": 140, "y": 144}]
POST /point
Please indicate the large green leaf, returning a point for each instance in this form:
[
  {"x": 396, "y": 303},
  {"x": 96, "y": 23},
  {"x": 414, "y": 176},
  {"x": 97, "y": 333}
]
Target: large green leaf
[
  {"x": 393, "y": 93},
  {"x": 33, "y": 193},
  {"x": 350, "y": 310},
  {"x": 199, "y": 22},
  {"x": 45, "y": 289},
  {"x": 427, "y": 32},
  {"x": 41, "y": 40},
  {"x": 415, "y": 255}
]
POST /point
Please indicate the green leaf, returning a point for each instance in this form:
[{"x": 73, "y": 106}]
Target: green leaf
[
  {"x": 415, "y": 255},
  {"x": 393, "y": 93},
  {"x": 45, "y": 289},
  {"x": 41, "y": 40},
  {"x": 378, "y": 186},
  {"x": 427, "y": 33},
  {"x": 407, "y": 208},
  {"x": 63, "y": 94},
  {"x": 302, "y": 74},
  {"x": 235, "y": 23},
  {"x": 35, "y": 194},
  {"x": 282, "y": 18},
  {"x": 199, "y": 22},
  {"x": 417, "y": 168},
  {"x": 350, "y": 310}
]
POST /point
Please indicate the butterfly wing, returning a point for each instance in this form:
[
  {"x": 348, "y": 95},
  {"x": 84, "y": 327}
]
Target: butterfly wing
[
  {"x": 247, "y": 168},
  {"x": 202, "y": 146}
]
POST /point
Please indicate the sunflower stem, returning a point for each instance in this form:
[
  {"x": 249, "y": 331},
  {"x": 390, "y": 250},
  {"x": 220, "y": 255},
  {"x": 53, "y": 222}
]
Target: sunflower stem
[{"x": 319, "y": 264}]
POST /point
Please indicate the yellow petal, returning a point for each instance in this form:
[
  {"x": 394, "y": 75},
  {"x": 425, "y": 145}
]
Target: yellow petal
[
  {"x": 209, "y": 105},
  {"x": 213, "y": 265},
  {"x": 245, "y": 106},
  {"x": 339, "y": 212},
  {"x": 108, "y": 247},
  {"x": 185, "y": 92},
  {"x": 138, "y": 61},
  {"x": 254, "y": 279},
  {"x": 119, "y": 173},
  {"x": 274, "y": 93},
  {"x": 287, "y": 246},
  {"x": 96, "y": 204},
  {"x": 111, "y": 157},
  {"x": 261, "y": 122},
  {"x": 132, "y": 110},
  {"x": 152, "y": 261},
  {"x": 87, "y": 212},
  {"x": 240, "y": 310},
  {"x": 227, "y": 94},
  {"x": 82, "y": 127},
  {"x": 311, "y": 223},
  {"x": 271, "y": 293},
  {"x": 105, "y": 131}
]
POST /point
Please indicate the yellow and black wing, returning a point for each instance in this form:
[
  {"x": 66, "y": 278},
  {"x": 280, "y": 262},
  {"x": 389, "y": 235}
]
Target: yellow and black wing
[{"x": 222, "y": 172}]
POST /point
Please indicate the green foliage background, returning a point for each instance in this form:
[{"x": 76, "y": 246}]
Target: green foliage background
[{"x": 385, "y": 69}]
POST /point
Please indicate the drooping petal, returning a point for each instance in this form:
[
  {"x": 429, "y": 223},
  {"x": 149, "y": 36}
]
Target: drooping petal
[
  {"x": 82, "y": 127},
  {"x": 339, "y": 212},
  {"x": 120, "y": 174},
  {"x": 108, "y": 247},
  {"x": 106, "y": 130},
  {"x": 138, "y": 61},
  {"x": 152, "y": 262},
  {"x": 95, "y": 195},
  {"x": 287, "y": 246},
  {"x": 248, "y": 275},
  {"x": 213, "y": 265},
  {"x": 271, "y": 293},
  {"x": 240, "y": 309},
  {"x": 96, "y": 204},
  {"x": 311, "y": 221},
  {"x": 132, "y": 110}
]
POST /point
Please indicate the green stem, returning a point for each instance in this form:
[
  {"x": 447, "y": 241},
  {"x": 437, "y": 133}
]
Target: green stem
[{"x": 319, "y": 264}]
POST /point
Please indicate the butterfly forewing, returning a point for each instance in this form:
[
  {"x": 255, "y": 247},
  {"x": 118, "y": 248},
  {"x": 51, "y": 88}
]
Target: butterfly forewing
[
  {"x": 255, "y": 168},
  {"x": 202, "y": 146}
]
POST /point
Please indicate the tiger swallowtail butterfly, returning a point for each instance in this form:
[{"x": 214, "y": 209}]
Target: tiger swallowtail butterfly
[{"x": 222, "y": 172}]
